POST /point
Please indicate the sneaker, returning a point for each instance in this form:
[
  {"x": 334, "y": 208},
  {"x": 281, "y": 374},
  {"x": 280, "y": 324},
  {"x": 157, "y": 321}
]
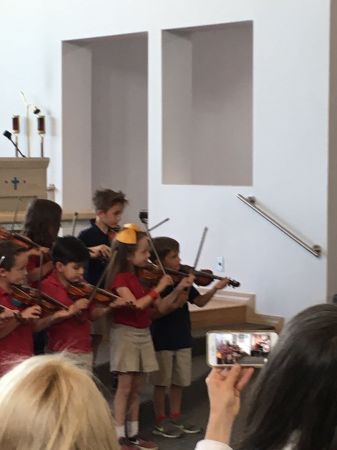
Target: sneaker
[
  {"x": 142, "y": 444},
  {"x": 126, "y": 444},
  {"x": 186, "y": 427},
  {"x": 166, "y": 429}
]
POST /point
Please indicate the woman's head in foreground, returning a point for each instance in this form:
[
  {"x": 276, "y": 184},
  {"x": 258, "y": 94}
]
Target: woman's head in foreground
[
  {"x": 295, "y": 396},
  {"x": 47, "y": 403}
]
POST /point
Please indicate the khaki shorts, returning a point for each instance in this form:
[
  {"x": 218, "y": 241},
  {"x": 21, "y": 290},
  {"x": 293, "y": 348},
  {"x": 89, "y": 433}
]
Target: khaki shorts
[
  {"x": 131, "y": 350},
  {"x": 174, "y": 368}
]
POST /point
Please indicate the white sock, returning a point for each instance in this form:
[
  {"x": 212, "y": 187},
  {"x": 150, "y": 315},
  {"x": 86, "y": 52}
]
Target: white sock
[
  {"x": 120, "y": 431},
  {"x": 132, "y": 428}
]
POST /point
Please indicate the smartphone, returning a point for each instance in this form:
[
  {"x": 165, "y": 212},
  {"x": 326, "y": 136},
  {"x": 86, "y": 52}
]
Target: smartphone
[{"x": 247, "y": 348}]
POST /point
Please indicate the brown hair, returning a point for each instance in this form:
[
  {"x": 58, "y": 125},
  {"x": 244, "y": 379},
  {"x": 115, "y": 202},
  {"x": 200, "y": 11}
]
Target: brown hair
[
  {"x": 120, "y": 261},
  {"x": 106, "y": 198},
  {"x": 43, "y": 221},
  {"x": 294, "y": 398},
  {"x": 9, "y": 250},
  {"x": 164, "y": 245}
]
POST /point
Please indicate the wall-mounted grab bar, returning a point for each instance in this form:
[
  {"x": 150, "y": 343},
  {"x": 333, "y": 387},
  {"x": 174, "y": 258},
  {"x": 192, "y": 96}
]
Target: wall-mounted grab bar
[{"x": 251, "y": 202}]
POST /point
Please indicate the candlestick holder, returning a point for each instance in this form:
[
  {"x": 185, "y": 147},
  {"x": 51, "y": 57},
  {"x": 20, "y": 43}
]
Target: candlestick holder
[
  {"x": 41, "y": 129},
  {"x": 16, "y": 131}
]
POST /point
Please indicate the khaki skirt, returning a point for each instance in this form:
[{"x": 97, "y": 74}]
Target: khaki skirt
[{"x": 131, "y": 350}]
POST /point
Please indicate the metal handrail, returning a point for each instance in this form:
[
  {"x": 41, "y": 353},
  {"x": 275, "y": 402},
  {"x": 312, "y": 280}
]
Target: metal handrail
[{"x": 315, "y": 250}]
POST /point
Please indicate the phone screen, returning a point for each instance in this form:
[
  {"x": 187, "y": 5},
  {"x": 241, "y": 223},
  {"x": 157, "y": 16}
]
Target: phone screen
[{"x": 248, "y": 348}]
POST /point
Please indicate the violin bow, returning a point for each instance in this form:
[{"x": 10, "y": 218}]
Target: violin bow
[
  {"x": 158, "y": 224},
  {"x": 197, "y": 257},
  {"x": 40, "y": 272},
  {"x": 147, "y": 231},
  {"x": 105, "y": 271},
  {"x": 75, "y": 217},
  {"x": 201, "y": 244},
  {"x": 18, "y": 200},
  {"x": 162, "y": 268},
  {"x": 152, "y": 243}
]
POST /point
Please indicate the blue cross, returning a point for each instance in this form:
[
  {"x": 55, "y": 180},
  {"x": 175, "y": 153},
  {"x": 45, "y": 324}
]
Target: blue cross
[{"x": 15, "y": 182}]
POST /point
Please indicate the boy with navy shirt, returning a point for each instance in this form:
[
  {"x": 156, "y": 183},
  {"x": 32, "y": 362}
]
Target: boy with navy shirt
[
  {"x": 172, "y": 340},
  {"x": 109, "y": 206}
]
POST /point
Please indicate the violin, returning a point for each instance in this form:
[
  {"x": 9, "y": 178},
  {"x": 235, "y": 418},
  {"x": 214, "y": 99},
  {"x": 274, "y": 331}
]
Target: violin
[
  {"x": 152, "y": 274},
  {"x": 19, "y": 239},
  {"x": 112, "y": 232},
  {"x": 85, "y": 290},
  {"x": 205, "y": 277},
  {"x": 30, "y": 296}
]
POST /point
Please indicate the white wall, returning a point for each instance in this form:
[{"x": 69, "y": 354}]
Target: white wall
[
  {"x": 120, "y": 120},
  {"x": 177, "y": 106},
  {"x": 104, "y": 114},
  {"x": 76, "y": 119},
  {"x": 291, "y": 88},
  {"x": 332, "y": 196},
  {"x": 207, "y": 105}
]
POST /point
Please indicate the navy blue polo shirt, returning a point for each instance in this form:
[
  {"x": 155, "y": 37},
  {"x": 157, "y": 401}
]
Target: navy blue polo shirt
[
  {"x": 91, "y": 237},
  {"x": 173, "y": 331}
]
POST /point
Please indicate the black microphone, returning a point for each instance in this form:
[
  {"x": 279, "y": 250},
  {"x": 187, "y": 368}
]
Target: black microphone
[
  {"x": 8, "y": 135},
  {"x": 143, "y": 216}
]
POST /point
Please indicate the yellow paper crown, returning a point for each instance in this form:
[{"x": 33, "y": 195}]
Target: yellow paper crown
[{"x": 128, "y": 235}]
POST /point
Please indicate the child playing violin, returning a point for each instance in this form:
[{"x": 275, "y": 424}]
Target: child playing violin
[
  {"x": 109, "y": 206},
  {"x": 172, "y": 341},
  {"x": 132, "y": 353},
  {"x": 16, "y": 332},
  {"x": 41, "y": 225},
  {"x": 69, "y": 256},
  {"x": 18, "y": 320}
]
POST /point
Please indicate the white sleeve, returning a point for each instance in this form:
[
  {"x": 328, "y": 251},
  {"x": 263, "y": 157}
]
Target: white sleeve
[{"x": 207, "y": 444}]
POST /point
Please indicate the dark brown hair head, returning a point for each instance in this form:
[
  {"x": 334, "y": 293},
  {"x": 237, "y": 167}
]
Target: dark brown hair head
[
  {"x": 43, "y": 221},
  {"x": 106, "y": 198}
]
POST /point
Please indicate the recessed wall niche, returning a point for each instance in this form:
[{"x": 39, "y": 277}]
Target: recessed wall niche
[
  {"x": 105, "y": 118},
  {"x": 208, "y": 105}
]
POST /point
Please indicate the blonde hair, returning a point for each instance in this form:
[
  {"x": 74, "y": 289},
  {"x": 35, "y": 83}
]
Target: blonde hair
[{"x": 47, "y": 403}]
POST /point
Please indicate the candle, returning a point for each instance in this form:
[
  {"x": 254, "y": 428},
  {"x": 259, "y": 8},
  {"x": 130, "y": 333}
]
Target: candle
[
  {"x": 16, "y": 124},
  {"x": 41, "y": 124}
]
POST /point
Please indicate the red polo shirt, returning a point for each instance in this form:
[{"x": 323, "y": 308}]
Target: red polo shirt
[
  {"x": 71, "y": 334},
  {"x": 19, "y": 343},
  {"x": 34, "y": 263},
  {"x": 127, "y": 316}
]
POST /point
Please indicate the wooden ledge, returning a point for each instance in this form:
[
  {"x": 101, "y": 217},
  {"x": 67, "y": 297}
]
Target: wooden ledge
[{"x": 7, "y": 216}]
